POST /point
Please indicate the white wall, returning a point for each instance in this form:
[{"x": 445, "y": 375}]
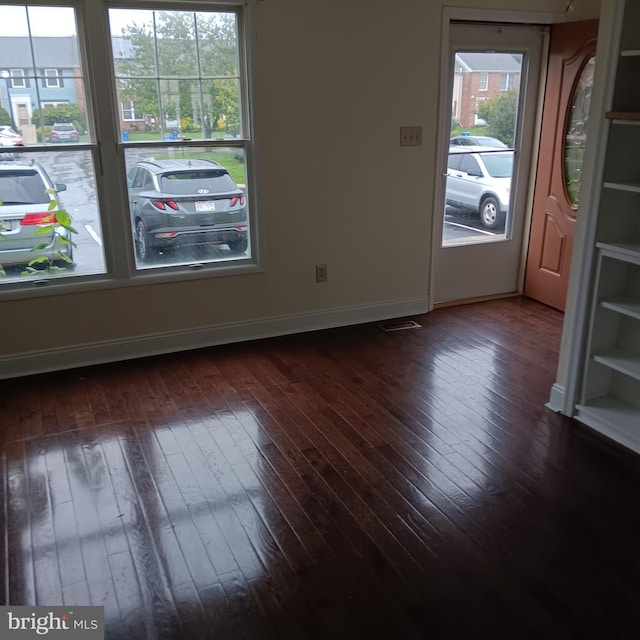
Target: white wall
[{"x": 334, "y": 82}]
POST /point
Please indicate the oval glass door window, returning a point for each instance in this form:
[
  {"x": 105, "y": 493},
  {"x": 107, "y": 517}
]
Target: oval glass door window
[{"x": 576, "y": 134}]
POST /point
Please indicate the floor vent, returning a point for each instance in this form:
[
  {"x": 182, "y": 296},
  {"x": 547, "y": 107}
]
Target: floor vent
[{"x": 400, "y": 326}]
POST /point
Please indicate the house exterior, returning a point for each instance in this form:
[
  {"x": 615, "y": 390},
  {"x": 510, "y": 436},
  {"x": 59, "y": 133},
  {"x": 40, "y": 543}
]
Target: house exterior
[
  {"x": 478, "y": 77},
  {"x": 36, "y": 79},
  {"x": 32, "y": 79}
]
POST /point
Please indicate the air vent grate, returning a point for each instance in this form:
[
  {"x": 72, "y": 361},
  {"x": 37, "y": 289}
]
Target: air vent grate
[{"x": 400, "y": 326}]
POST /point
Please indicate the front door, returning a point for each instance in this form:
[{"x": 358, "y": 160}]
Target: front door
[
  {"x": 564, "y": 128},
  {"x": 492, "y": 81}
]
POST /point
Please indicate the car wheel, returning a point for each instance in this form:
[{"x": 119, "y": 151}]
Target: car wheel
[
  {"x": 143, "y": 250},
  {"x": 490, "y": 213},
  {"x": 239, "y": 246}
]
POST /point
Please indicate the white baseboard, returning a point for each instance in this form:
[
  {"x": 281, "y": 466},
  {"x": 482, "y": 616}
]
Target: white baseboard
[
  {"x": 81, "y": 355},
  {"x": 556, "y": 398}
]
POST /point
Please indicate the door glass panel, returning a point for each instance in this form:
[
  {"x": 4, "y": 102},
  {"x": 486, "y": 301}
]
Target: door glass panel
[
  {"x": 484, "y": 109},
  {"x": 576, "y": 134}
]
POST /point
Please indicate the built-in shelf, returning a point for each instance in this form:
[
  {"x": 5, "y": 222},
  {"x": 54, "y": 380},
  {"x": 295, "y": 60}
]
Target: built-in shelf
[
  {"x": 623, "y": 186},
  {"x": 624, "y": 305},
  {"x": 622, "y": 360},
  {"x": 614, "y": 419},
  {"x": 624, "y": 116},
  {"x": 621, "y": 251},
  {"x": 610, "y": 392}
]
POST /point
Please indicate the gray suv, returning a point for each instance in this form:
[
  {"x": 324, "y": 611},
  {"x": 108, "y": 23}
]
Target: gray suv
[
  {"x": 177, "y": 203},
  {"x": 479, "y": 181}
]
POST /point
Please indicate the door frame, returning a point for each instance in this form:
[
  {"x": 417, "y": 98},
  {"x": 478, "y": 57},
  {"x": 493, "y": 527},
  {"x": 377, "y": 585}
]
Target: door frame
[{"x": 454, "y": 14}]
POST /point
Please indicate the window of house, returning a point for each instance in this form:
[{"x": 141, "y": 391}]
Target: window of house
[
  {"x": 51, "y": 80},
  {"x": 483, "y": 82},
  {"x": 17, "y": 79},
  {"x": 506, "y": 81},
  {"x": 171, "y": 168},
  {"x": 181, "y": 78},
  {"x": 129, "y": 111}
]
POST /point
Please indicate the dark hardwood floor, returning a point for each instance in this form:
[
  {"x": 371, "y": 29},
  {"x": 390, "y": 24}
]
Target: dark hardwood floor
[{"x": 342, "y": 484}]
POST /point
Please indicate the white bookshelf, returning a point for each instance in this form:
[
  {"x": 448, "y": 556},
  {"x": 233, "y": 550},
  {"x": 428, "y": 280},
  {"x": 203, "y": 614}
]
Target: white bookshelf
[{"x": 609, "y": 397}]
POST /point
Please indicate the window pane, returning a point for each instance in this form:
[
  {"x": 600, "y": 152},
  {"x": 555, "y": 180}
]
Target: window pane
[
  {"x": 480, "y": 165},
  {"x": 31, "y": 183},
  {"x": 181, "y": 69},
  {"x": 40, "y": 66},
  {"x": 576, "y": 134},
  {"x": 187, "y": 204}
]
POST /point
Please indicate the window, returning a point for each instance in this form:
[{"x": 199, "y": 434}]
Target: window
[
  {"x": 51, "y": 80},
  {"x": 177, "y": 88},
  {"x": 478, "y": 121},
  {"x": 483, "y": 81},
  {"x": 17, "y": 79},
  {"x": 507, "y": 81},
  {"x": 129, "y": 111}
]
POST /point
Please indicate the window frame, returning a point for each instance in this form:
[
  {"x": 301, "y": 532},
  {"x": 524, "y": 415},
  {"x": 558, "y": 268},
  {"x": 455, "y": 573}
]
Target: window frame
[
  {"x": 483, "y": 81},
  {"x": 17, "y": 74},
  {"x": 509, "y": 81},
  {"x": 49, "y": 79},
  {"x": 104, "y": 117}
]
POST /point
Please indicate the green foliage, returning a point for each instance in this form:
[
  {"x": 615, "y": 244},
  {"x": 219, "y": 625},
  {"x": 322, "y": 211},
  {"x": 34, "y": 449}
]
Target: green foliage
[
  {"x": 48, "y": 116},
  {"x": 50, "y": 263},
  {"x": 500, "y": 115},
  {"x": 181, "y": 39},
  {"x": 5, "y": 118}
]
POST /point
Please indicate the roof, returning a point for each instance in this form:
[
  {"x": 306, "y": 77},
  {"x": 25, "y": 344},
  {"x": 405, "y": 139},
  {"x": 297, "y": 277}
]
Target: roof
[
  {"x": 50, "y": 51},
  {"x": 488, "y": 62}
]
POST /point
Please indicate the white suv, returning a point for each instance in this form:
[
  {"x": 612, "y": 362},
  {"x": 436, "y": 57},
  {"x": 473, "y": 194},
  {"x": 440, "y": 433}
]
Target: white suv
[{"x": 480, "y": 181}]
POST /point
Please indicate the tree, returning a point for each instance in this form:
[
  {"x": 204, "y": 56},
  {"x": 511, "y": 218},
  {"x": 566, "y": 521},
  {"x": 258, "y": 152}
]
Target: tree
[
  {"x": 5, "y": 118},
  {"x": 500, "y": 115},
  {"x": 162, "y": 74}
]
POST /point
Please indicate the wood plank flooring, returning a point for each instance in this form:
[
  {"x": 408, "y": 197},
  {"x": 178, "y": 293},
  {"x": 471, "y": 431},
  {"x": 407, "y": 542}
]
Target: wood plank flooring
[{"x": 341, "y": 484}]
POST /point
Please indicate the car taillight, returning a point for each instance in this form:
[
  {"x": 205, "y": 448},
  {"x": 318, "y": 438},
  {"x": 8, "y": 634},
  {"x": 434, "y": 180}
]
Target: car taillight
[
  {"x": 43, "y": 217},
  {"x": 163, "y": 204},
  {"x": 237, "y": 199}
]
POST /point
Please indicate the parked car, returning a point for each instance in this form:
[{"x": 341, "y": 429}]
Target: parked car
[
  {"x": 479, "y": 181},
  {"x": 63, "y": 132},
  {"x": 26, "y": 193},
  {"x": 9, "y": 138},
  {"x": 476, "y": 141},
  {"x": 175, "y": 203}
]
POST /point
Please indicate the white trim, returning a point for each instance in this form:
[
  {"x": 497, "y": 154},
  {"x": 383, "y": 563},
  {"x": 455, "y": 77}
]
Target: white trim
[
  {"x": 501, "y": 15},
  {"x": 556, "y": 398},
  {"x": 154, "y": 344}
]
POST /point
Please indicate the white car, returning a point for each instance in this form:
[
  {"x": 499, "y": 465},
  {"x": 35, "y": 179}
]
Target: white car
[
  {"x": 479, "y": 180},
  {"x": 9, "y": 138}
]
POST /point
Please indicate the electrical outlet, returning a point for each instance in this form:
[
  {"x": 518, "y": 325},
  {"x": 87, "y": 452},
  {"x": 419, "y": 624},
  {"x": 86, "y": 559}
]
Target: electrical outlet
[
  {"x": 410, "y": 136},
  {"x": 321, "y": 273}
]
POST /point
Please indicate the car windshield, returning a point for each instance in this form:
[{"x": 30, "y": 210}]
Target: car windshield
[
  {"x": 196, "y": 182},
  {"x": 23, "y": 186},
  {"x": 498, "y": 165}
]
